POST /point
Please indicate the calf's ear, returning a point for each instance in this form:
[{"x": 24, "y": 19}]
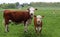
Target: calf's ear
[{"x": 42, "y": 16}]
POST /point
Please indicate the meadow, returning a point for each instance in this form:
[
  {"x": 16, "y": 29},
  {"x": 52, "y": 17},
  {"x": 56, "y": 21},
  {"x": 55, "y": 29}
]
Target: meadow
[{"x": 51, "y": 25}]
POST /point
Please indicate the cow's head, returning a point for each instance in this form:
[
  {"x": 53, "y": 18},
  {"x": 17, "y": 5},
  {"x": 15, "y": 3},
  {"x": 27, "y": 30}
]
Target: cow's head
[{"x": 31, "y": 10}]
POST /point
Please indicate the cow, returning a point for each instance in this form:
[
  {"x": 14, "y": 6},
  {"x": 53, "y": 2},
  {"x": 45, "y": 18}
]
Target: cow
[
  {"x": 38, "y": 23},
  {"x": 18, "y": 17}
]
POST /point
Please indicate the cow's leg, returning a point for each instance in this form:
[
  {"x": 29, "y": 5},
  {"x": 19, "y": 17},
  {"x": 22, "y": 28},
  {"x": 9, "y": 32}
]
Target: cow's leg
[
  {"x": 40, "y": 27},
  {"x": 25, "y": 26},
  {"x": 6, "y": 25},
  {"x": 36, "y": 29},
  {"x": 6, "y": 28}
]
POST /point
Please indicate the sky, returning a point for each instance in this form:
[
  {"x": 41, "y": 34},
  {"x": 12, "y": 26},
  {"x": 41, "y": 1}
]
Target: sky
[{"x": 26, "y": 1}]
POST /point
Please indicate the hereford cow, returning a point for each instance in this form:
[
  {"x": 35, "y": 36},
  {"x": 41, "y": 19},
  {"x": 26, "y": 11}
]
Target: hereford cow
[
  {"x": 18, "y": 17},
  {"x": 38, "y": 23}
]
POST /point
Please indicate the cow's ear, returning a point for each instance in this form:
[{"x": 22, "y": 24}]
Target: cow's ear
[{"x": 36, "y": 9}]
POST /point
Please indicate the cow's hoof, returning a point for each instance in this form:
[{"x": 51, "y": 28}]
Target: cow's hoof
[{"x": 8, "y": 30}]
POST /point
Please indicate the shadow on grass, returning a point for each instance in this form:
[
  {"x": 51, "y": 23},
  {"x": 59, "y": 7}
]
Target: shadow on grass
[
  {"x": 29, "y": 34},
  {"x": 33, "y": 34}
]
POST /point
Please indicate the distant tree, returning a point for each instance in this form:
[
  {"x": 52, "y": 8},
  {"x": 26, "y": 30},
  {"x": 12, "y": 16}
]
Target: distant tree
[
  {"x": 11, "y": 5},
  {"x": 17, "y": 3}
]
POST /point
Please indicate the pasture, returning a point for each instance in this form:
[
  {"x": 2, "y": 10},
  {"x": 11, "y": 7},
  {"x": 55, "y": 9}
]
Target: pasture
[{"x": 51, "y": 25}]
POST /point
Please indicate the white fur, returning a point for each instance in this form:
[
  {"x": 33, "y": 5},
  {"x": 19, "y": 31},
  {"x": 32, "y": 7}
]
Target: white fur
[
  {"x": 39, "y": 17},
  {"x": 38, "y": 28},
  {"x": 10, "y": 21},
  {"x": 6, "y": 27},
  {"x": 25, "y": 27}
]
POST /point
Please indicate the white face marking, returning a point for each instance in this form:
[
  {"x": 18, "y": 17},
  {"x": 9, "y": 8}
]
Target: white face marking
[
  {"x": 39, "y": 18},
  {"x": 31, "y": 9},
  {"x": 38, "y": 21}
]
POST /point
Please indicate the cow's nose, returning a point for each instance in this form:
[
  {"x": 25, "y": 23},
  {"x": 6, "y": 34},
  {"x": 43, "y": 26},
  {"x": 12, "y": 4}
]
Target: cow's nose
[
  {"x": 31, "y": 14},
  {"x": 38, "y": 21},
  {"x": 35, "y": 9}
]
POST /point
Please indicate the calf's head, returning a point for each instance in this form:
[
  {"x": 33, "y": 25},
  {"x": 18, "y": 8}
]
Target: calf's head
[{"x": 39, "y": 23}]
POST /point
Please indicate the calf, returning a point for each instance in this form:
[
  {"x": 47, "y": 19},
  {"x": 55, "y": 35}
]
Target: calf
[
  {"x": 38, "y": 23},
  {"x": 18, "y": 17}
]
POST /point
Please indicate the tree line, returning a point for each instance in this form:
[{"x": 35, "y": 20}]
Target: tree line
[
  {"x": 34, "y": 4},
  {"x": 9, "y": 5},
  {"x": 44, "y": 4}
]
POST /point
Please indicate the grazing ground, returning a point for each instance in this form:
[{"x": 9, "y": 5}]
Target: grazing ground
[{"x": 51, "y": 25}]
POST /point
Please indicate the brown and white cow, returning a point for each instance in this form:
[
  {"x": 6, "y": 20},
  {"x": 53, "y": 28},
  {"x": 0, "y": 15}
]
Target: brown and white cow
[
  {"x": 18, "y": 17},
  {"x": 38, "y": 23}
]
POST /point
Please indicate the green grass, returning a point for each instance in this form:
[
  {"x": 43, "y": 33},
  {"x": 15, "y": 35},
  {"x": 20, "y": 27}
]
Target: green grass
[{"x": 51, "y": 25}]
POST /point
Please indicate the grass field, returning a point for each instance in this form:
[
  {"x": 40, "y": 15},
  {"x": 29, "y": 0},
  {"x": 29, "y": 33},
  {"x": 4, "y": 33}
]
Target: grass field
[{"x": 51, "y": 25}]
